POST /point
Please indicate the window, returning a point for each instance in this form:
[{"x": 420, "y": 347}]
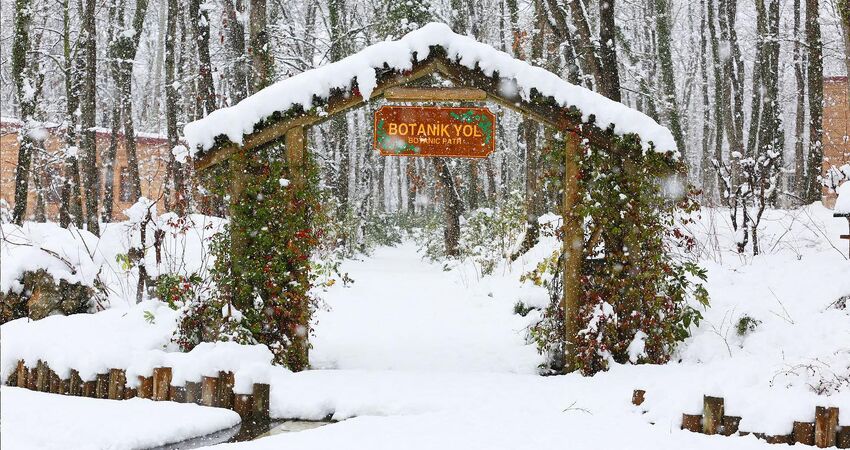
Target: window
[{"x": 125, "y": 187}]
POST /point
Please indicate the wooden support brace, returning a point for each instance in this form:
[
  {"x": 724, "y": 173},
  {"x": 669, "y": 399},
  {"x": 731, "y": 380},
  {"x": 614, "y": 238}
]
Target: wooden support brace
[
  {"x": 434, "y": 94},
  {"x": 804, "y": 433},
  {"x": 713, "y": 414},
  {"x": 826, "y": 425},
  {"x": 573, "y": 246},
  {"x": 161, "y": 383}
]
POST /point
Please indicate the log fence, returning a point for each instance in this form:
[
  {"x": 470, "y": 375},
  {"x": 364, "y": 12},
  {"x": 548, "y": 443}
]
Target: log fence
[
  {"x": 823, "y": 432},
  {"x": 214, "y": 391}
]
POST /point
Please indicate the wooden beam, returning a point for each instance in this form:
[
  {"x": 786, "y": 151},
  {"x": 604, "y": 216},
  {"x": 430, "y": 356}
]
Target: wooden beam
[
  {"x": 434, "y": 94},
  {"x": 573, "y": 246},
  {"x": 296, "y": 144},
  {"x": 334, "y": 106}
]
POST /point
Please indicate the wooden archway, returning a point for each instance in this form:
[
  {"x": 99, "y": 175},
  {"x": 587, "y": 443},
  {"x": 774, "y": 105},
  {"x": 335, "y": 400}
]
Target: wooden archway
[{"x": 289, "y": 128}]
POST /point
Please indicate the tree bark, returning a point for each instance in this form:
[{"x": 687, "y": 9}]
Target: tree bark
[
  {"x": 665, "y": 59},
  {"x": 88, "y": 109},
  {"x": 176, "y": 181},
  {"x": 452, "y": 206},
  {"x": 200, "y": 23},
  {"x": 27, "y": 87},
  {"x": 800, "y": 119},
  {"x": 261, "y": 61},
  {"x": 608, "y": 50},
  {"x": 70, "y": 209},
  {"x": 815, "y": 92}
]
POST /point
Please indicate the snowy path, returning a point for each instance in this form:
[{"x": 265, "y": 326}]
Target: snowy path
[{"x": 404, "y": 313}]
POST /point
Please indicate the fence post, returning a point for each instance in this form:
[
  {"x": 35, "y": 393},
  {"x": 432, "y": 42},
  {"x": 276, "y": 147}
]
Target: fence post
[
  {"x": 638, "y": 397},
  {"x": 712, "y": 414},
  {"x": 804, "y": 433},
  {"x": 117, "y": 380},
  {"x": 161, "y": 383},
  {"x": 193, "y": 392},
  {"x": 145, "y": 387},
  {"x": 260, "y": 410},
  {"x": 209, "y": 391},
  {"x": 826, "y": 423},
  {"x": 226, "y": 381}
]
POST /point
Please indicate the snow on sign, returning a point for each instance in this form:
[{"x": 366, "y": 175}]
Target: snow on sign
[{"x": 464, "y": 132}]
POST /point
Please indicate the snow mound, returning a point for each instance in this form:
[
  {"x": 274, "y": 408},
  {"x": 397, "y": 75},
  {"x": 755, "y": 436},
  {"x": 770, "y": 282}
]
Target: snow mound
[
  {"x": 842, "y": 205},
  {"x": 47, "y": 421},
  {"x": 238, "y": 120}
]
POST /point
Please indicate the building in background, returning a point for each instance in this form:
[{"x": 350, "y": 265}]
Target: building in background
[
  {"x": 836, "y": 128},
  {"x": 153, "y": 153}
]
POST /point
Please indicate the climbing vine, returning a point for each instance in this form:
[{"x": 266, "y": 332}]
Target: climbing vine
[{"x": 640, "y": 291}]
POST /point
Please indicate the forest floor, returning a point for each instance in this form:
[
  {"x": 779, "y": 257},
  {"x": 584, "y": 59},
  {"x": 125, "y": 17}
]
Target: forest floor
[{"x": 416, "y": 354}]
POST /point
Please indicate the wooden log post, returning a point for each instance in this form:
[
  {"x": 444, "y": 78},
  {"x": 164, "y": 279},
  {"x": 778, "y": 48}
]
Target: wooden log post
[
  {"x": 712, "y": 412},
  {"x": 260, "y": 408},
  {"x": 177, "y": 394},
  {"x": 75, "y": 383},
  {"x": 243, "y": 404},
  {"x": 731, "y": 425},
  {"x": 692, "y": 422},
  {"x": 89, "y": 389},
  {"x": 826, "y": 426},
  {"x": 102, "y": 385},
  {"x": 573, "y": 246},
  {"x": 65, "y": 386},
  {"x": 42, "y": 380},
  {"x": 32, "y": 379},
  {"x": 55, "y": 383},
  {"x": 117, "y": 384},
  {"x": 193, "y": 392},
  {"x": 296, "y": 161},
  {"x": 131, "y": 393},
  {"x": 22, "y": 374},
  {"x": 843, "y": 437},
  {"x": 145, "y": 389},
  {"x": 161, "y": 383},
  {"x": 804, "y": 433},
  {"x": 226, "y": 381},
  {"x": 209, "y": 391},
  {"x": 638, "y": 397}
]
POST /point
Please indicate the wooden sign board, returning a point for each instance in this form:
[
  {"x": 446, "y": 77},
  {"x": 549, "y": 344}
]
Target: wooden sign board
[{"x": 453, "y": 132}]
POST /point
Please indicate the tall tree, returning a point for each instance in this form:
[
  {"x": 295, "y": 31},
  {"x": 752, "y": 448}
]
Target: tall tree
[
  {"x": 88, "y": 110},
  {"x": 28, "y": 85},
  {"x": 339, "y": 125},
  {"x": 71, "y": 208},
  {"x": 233, "y": 11},
  {"x": 176, "y": 181},
  {"x": 608, "y": 50},
  {"x": 261, "y": 57},
  {"x": 800, "y": 111},
  {"x": 814, "y": 44},
  {"x": 668, "y": 80}
]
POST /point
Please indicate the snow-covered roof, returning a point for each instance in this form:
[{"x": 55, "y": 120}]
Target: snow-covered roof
[{"x": 239, "y": 120}]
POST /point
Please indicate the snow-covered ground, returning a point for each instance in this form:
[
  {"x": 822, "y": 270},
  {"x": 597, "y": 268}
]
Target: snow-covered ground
[
  {"x": 36, "y": 420},
  {"x": 413, "y": 355}
]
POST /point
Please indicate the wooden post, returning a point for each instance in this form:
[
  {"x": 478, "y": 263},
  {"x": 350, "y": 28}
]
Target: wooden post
[
  {"x": 804, "y": 433},
  {"x": 55, "y": 383},
  {"x": 692, "y": 422},
  {"x": 238, "y": 165},
  {"x": 42, "y": 380},
  {"x": 193, "y": 392},
  {"x": 730, "y": 425},
  {"x": 177, "y": 394},
  {"x": 89, "y": 389},
  {"x": 161, "y": 383},
  {"x": 209, "y": 391},
  {"x": 260, "y": 409},
  {"x": 573, "y": 246},
  {"x": 130, "y": 393},
  {"x": 117, "y": 381},
  {"x": 145, "y": 389},
  {"x": 32, "y": 379},
  {"x": 65, "y": 386},
  {"x": 843, "y": 438},
  {"x": 102, "y": 386},
  {"x": 22, "y": 374},
  {"x": 638, "y": 397},
  {"x": 826, "y": 424},
  {"x": 295, "y": 146},
  {"x": 712, "y": 412},
  {"x": 226, "y": 381},
  {"x": 243, "y": 404},
  {"x": 75, "y": 383}
]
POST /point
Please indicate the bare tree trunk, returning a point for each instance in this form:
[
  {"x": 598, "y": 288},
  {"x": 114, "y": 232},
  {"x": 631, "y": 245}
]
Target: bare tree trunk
[
  {"x": 815, "y": 91},
  {"x": 88, "y": 144},
  {"x": 177, "y": 178},
  {"x": 339, "y": 125},
  {"x": 452, "y": 205},
  {"x": 608, "y": 50},
  {"x": 28, "y": 83},
  {"x": 236, "y": 47},
  {"x": 707, "y": 171},
  {"x": 70, "y": 209},
  {"x": 199, "y": 20},
  {"x": 261, "y": 61},
  {"x": 721, "y": 93},
  {"x": 800, "y": 120},
  {"x": 665, "y": 59}
]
